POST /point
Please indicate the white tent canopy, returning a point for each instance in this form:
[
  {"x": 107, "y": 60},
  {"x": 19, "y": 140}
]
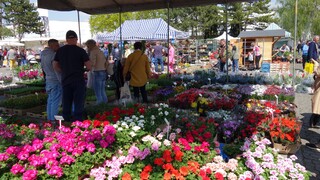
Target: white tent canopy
[
  {"x": 274, "y": 26},
  {"x": 144, "y": 29},
  {"x": 223, "y": 36},
  {"x": 10, "y": 43}
]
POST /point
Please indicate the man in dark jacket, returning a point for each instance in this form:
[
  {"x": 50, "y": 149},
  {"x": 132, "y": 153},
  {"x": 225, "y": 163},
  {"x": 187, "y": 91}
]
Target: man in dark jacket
[{"x": 313, "y": 51}]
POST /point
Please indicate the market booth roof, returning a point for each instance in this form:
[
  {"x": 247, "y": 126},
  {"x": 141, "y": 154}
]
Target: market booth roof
[
  {"x": 144, "y": 29},
  {"x": 114, "y": 6},
  {"x": 264, "y": 33}
]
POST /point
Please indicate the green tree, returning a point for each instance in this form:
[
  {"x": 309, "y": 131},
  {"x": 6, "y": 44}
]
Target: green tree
[
  {"x": 308, "y": 15},
  {"x": 23, "y": 16},
  {"x": 109, "y": 22},
  {"x": 242, "y": 15}
]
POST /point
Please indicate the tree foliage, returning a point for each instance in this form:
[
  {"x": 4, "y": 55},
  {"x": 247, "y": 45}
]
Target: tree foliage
[
  {"x": 204, "y": 21},
  {"x": 308, "y": 17},
  {"x": 109, "y": 22},
  {"x": 23, "y": 16}
]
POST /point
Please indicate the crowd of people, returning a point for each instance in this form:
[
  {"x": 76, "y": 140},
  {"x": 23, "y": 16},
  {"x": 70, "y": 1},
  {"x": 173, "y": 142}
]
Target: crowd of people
[
  {"x": 13, "y": 56},
  {"x": 64, "y": 68}
]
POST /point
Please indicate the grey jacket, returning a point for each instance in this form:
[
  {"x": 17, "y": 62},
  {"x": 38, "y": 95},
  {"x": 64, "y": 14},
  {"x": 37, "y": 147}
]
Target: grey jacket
[{"x": 47, "y": 56}]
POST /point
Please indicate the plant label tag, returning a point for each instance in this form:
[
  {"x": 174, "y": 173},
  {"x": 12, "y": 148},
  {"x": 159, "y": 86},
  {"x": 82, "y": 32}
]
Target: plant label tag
[
  {"x": 276, "y": 98},
  {"x": 59, "y": 118}
]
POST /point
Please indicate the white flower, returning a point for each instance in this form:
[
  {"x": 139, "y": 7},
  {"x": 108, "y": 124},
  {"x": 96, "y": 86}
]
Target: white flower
[
  {"x": 166, "y": 113},
  {"x": 136, "y": 128},
  {"x": 156, "y": 105},
  {"x": 146, "y": 138},
  {"x": 133, "y": 116},
  {"x": 123, "y": 124},
  {"x": 153, "y": 117},
  {"x": 160, "y": 136},
  {"x": 166, "y": 142},
  {"x": 120, "y": 129},
  {"x": 177, "y": 115},
  {"x": 141, "y": 116},
  {"x": 133, "y": 134},
  {"x": 141, "y": 125},
  {"x": 152, "y": 122},
  {"x": 115, "y": 126},
  {"x": 178, "y": 130},
  {"x": 126, "y": 118},
  {"x": 132, "y": 124},
  {"x": 160, "y": 109},
  {"x": 174, "y": 83},
  {"x": 160, "y": 113}
]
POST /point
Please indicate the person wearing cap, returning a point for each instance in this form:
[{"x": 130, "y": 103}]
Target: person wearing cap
[
  {"x": 53, "y": 79},
  {"x": 70, "y": 61},
  {"x": 99, "y": 67}
]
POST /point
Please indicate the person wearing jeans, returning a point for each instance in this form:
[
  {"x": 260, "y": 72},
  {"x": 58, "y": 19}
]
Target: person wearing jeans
[
  {"x": 235, "y": 57},
  {"x": 70, "y": 60},
  {"x": 158, "y": 51},
  {"x": 138, "y": 65},
  {"x": 53, "y": 79},
  {"x": 99, "y": 67}
]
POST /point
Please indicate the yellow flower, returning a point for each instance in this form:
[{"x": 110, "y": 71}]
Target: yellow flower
[{"x": 194, "y": 104}]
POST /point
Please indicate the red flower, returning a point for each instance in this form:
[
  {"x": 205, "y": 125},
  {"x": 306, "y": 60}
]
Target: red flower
[
  {"x": 148, "y": 168},
  {"x": 87, "y": 122},
  {"x": 158, "y": 161},
  {"x": 167, "y": 166},
  {"x": 144, "y": 175},
  {"x": 178, "y": 156},
  {"x": 105, "y": 123},
  {"x": 167, "y": 156},
  {"x": 218, "y": 176},
  {"x": 141, "y": 110},
  {"x": 96, "y": 123}
]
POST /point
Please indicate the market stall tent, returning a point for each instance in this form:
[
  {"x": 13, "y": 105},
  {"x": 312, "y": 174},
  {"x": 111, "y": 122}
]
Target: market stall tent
[
  {"x": 115, "y": 6},
  {"x": 144, "y": 29}
]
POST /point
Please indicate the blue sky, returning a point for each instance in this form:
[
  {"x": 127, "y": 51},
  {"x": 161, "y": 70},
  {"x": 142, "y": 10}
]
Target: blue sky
[{"x": 72, "y": 15}]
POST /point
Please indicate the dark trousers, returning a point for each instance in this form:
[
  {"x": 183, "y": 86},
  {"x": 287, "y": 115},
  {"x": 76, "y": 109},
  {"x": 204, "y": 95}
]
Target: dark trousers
[
  {"x": 304, "y": 60},
  {"x": 73, "y": 93},
  {"x": 222, "y": 66},
  {"x": 143, "y": 91},
  {"x": 257, "y": 61}
]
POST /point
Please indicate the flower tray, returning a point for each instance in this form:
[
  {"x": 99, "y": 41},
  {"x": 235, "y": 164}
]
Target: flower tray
[
  {"x": 36, "y": 115},
  {"x": 289, "y": 148},
  {"x": 6, "y": 110},
  {"x": 22, "y": 112}
]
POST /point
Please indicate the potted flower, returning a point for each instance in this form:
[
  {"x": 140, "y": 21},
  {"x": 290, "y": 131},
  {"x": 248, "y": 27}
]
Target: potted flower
[{"x": 284, "y": 133}]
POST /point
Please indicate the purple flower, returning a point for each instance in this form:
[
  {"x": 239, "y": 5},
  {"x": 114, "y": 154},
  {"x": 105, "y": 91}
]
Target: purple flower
[
  {"x": 55, "y": 171},
  {"x": 13, "y": 150},
  {"x": 17, "y": 168},
  {"x": 37, "y": 144},
  {"x": 30, "y": 174}
]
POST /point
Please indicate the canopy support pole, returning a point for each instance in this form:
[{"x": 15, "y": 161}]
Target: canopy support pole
[
  {"x": 168, "y": 31},
  {"x": 295, "y": 43},
  {"x": 79, "y": 27},
  {"x": 227, "y": 43},
  {"x": 120, "y": 22}
]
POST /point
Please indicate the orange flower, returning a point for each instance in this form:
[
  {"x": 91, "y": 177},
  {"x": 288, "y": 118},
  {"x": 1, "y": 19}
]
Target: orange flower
[
  {"x": 158, "y": 161},
  {"x": 126, "y": 176},
  {"x": 167, "y": 176},
  {"x": 167, "y": 166},
  {"x": 184, "y": 170},
  {"x": 193, "y": 166},
  {"x": 178, "y": 156}
]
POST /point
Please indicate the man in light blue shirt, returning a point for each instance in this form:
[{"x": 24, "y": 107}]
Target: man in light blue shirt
[{"x": 53, "y": 79}]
